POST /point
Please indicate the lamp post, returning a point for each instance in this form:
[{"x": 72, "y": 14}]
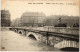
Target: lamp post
[
  {"x": 47, "y": 36},
  {"x": 59, "y": 20}
]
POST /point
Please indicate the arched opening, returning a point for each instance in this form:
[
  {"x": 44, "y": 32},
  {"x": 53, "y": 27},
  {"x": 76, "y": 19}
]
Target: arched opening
[
  {"x": 32, "y": 37},
  {"x": 15, "y": 30},
  {"x": 20, "y": 32},
  {"x": 69, "y": 49}
]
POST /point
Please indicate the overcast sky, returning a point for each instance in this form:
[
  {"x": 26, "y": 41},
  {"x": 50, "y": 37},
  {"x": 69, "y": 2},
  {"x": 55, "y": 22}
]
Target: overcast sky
[{"x": 16, "y": 8}]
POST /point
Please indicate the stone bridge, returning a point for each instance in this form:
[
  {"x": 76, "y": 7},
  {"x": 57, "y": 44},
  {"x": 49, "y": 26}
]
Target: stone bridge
[{"x": 56, "y": 40}]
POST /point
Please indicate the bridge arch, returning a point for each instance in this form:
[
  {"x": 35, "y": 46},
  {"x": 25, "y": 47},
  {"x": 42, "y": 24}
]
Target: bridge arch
[
  {"x": 15, "y": 30},
  {"x": 67, "y": 44},
  {"x": 20, "y": 31},
  {"x": 36, "y": 36},
  {"x": 69, "y": 49}
]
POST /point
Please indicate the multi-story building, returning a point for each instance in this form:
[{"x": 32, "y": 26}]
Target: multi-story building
[
  {"x": 5, "y": 18},
  {"x": 69, "y": 21},
  {"x": 16, "y": 22},
  {"x": 32, "y": 19}
]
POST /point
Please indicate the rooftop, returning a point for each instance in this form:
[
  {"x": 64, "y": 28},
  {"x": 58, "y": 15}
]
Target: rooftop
[{"x": 33, "y": 14}]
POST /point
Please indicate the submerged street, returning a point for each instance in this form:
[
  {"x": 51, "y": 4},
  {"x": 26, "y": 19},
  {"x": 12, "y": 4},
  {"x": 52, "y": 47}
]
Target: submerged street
[{"x": 12, "y": 41}]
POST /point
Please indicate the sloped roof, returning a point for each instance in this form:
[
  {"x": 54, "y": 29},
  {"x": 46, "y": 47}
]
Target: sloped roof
[{"x": 33, "y": 14}]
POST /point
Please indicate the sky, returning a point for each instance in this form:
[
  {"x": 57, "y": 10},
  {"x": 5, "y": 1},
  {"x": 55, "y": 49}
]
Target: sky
[{"x": 18, "y": 7}]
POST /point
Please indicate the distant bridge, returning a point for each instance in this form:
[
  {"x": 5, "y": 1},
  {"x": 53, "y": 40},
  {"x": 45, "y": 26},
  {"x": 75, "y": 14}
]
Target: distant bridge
[{"x": 57, "y": 37}]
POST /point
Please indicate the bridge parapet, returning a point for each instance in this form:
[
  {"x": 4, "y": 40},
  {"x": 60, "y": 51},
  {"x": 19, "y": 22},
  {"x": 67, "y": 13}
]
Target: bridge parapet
[{"x": 74, "y": 31}]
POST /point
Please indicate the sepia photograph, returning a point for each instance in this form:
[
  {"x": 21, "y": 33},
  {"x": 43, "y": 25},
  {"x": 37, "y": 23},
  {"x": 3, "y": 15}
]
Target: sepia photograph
[{"x": 40, "y": 25}]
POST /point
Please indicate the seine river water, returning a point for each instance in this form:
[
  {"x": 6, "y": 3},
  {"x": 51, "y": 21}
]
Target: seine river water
[{"x": 11, "y": 41}]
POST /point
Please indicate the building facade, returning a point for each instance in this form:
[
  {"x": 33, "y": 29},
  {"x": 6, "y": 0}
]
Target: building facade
[
  {"x": 62, "y": 21},
  {"x": 32, "y": 19},
  {"x": 5, "y": 18}
]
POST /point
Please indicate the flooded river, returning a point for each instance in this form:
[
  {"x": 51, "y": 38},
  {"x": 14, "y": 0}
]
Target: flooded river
[{"x": 11, "y": 41}]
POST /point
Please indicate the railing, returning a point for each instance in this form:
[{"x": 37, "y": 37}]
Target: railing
[{"x": 67, "y": 30}]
